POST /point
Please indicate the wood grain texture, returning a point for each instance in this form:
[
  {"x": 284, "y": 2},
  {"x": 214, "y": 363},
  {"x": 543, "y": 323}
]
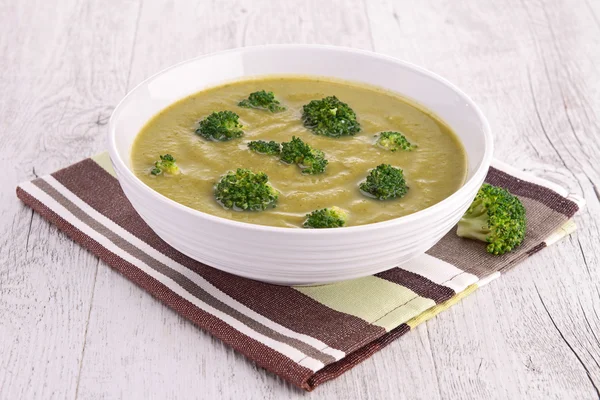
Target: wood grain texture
[{"x": 73, "y": 328}]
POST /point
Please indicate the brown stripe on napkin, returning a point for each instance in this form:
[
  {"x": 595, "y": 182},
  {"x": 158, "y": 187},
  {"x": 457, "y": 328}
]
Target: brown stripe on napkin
[
  {"x": 418, "y": 284},
  {"x": 281, "y": 304},
  {"x": 535, "y": 249}
]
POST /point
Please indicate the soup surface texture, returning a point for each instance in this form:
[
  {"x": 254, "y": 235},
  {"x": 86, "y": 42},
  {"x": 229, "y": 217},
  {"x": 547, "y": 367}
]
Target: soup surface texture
[{"x": 433, "y": 171}]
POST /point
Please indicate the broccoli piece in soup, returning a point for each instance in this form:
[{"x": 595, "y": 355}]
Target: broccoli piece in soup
[
  {"x": 244, "y": 190},
  {"x": 330, "y": 117},
  {"x": 333, "y": 217},
  {"x": 495, "y": 217},
  {"x": 394, "y": 141},
  {"x": 310, "y": 160},
  {"x": 384, "y": 182},
  {"x": 220, "y": 126},
  {"x": 263, "y": 147},
  {"x": 262, "y": 100},
  {"x": 166, "y": 164}
]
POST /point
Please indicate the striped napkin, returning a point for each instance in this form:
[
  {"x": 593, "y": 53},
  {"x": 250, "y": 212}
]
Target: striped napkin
[{"x": 310, "y": 334}]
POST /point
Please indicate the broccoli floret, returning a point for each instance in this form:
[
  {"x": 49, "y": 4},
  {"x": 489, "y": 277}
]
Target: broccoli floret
[
  {"x": 394, "y": 141},
  {"x": 311, "y": 161},
  {"x": 330, "y": 117},
  {"x": 166, "y": 164},
  {"x": 220, "y": 126},
  {"x": 333, "y": 217},
  {"x": 384, "y": 182},
  {"x": 496, "y": 217},
  {"x": 260, "y": 146},
  {"x": 263, "y": 101},
  {"x": 245, "y": 190}
]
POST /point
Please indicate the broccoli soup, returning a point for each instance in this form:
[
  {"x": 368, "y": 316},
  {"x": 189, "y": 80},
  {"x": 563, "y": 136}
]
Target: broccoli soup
[{"x": 299, "y": 152}]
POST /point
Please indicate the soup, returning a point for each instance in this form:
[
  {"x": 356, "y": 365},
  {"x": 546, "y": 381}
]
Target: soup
[{"x": 433, "y": 170}]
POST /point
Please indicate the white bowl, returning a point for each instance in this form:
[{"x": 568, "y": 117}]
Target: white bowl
[{"x": 298, "y": 256}]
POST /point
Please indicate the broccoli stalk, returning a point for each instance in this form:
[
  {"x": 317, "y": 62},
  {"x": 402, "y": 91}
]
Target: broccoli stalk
[
  {"x": 166, "y": 164},
  {"x": 263, "y": 147},
  {"x": 310, "y": 160},
  {"x": 333, "y": 217},
  {"x": 263, "y": 101},
  {"x": 244, "y": 190},
  {"x": 496, "y": 217},
  {"x": 394, "y": 141},
  {"x": 330, "y": 117},
  {"x": 220, "y": 126},
  {"x": 384, "y": 182}
]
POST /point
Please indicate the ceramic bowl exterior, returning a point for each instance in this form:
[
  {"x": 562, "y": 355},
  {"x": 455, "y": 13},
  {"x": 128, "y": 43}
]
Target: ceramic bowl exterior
[{"x": 299, "y": 256}]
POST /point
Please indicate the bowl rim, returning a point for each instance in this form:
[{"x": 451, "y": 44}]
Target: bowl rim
[{"x": 477, "y": 177}]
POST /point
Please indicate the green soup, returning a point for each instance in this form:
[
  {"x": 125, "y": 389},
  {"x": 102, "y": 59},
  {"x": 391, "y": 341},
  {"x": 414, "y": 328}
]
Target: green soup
[{"x": 433, "y": 171}]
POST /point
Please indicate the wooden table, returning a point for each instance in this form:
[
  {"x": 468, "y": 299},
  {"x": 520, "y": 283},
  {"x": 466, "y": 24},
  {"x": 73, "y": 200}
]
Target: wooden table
[{"x": 70, "y": 327}]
